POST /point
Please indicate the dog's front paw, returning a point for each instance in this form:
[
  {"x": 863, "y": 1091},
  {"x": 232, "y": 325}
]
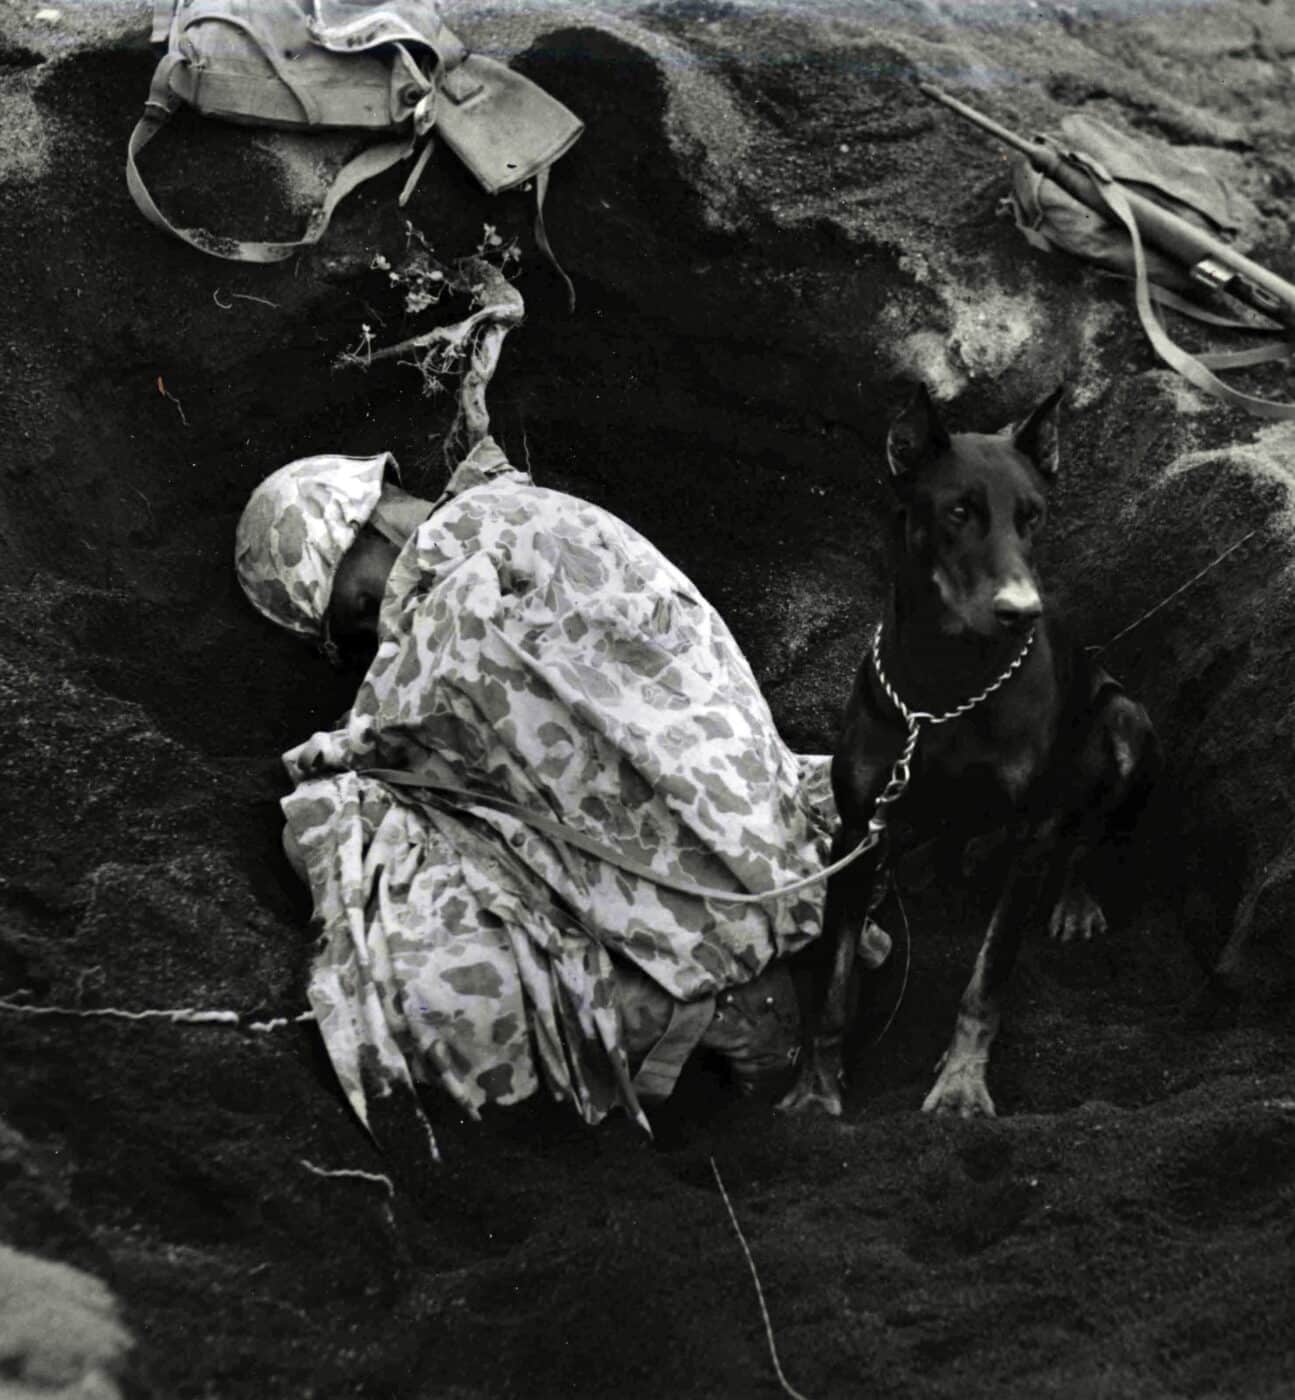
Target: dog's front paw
[
  {"x": 1077, "y": 915},
  {"x": 960, "y": 1089},
  {"x": 817, "y": 1086}
]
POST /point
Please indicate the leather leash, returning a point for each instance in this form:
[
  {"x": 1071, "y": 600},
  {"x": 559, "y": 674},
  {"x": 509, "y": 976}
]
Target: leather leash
[{"x": 900, "y": 777}]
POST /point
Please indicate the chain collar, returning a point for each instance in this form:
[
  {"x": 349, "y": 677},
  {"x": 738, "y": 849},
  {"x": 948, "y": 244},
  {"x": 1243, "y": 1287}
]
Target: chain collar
[{"x": 913, "y": 718}]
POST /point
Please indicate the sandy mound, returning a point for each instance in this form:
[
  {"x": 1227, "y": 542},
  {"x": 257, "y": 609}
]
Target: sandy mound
[
  {"x": 769, "y": 231},
  {"x": 59, "y": 1334}
]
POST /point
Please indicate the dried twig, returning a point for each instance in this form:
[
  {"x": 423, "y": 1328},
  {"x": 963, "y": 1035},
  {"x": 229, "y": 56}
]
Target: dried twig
[
  {"x": 148, "y": 505},
  {"x": 182, "y": 1015},
  {"x": 908, "y": 966},
  {"x": 363, "y": 352},
  {"x": 453, "y": 341},
  {"x": 506, "y": 310},
  {"x": 278, "y": 1022},
  {"x": 241, "y": 296},
  {"x": 377, "y": 1177},
  {"x": 759, "y": 1291},
  {"x": 167, "y": 394},
  {"x": 473, "y": 344}
]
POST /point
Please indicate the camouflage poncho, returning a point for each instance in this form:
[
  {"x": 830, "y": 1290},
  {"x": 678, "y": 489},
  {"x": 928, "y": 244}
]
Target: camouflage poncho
[{"x": 535, "y": 647}]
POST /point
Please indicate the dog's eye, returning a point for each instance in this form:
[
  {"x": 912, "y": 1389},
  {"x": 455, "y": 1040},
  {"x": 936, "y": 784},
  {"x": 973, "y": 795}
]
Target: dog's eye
[{"x": 958, "y": 514}]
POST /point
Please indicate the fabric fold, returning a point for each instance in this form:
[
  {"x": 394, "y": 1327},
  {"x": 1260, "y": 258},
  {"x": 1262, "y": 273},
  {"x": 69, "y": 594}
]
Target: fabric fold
[{"x": 534, "y": 647}]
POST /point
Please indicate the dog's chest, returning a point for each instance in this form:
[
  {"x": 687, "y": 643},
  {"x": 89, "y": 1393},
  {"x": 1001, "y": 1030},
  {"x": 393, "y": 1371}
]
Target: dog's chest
[{"x": 984, "y": 752}]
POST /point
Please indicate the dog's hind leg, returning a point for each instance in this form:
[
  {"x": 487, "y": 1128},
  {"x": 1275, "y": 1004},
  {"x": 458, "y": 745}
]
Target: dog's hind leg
[
  {"x": 1117, "y": 764},
  {"x": 1076, "y": 914}
]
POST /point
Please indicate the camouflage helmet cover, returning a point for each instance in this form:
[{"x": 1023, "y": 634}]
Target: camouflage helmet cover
[{"x": 296, "y": 527}]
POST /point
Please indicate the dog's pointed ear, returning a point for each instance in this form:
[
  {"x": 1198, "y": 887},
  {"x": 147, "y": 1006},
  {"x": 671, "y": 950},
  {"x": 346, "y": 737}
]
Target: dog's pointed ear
[
  {"x": 1036, "y": 434},
  {"x": 916, "y": 434}
]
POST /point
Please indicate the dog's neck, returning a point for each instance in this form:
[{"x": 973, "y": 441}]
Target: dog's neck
[{"x": 932, "y": 669}]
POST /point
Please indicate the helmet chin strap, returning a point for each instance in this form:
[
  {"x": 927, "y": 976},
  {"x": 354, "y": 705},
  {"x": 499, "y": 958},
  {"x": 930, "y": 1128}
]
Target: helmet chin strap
[{"x": 398, "y": 514}]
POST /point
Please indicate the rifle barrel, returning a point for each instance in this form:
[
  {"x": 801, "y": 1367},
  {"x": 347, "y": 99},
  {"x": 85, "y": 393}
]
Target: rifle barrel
[{"x": 1005, "y": 135}]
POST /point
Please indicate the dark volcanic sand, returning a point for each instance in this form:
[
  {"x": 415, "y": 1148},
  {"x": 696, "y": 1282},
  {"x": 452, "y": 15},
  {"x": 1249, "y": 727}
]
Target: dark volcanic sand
[{"x": 770, "y": 233}]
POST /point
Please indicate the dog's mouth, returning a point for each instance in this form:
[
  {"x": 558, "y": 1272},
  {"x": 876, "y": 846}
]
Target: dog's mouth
[
  {"x": 987, "y": 634},
  {"x": 989, "y": 614}
]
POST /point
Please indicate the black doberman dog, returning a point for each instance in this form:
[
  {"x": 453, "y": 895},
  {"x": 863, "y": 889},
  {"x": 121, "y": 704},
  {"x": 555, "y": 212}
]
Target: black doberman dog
[{"x": 1017, "y": 729}]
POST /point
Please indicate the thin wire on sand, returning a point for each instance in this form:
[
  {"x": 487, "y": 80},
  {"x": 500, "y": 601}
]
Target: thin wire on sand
[{"x": 787, "y": 1386}]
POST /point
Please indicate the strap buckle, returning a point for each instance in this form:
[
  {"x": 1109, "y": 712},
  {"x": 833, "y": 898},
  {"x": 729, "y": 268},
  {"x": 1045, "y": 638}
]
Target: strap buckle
[{"x": 1211, "y": 273}]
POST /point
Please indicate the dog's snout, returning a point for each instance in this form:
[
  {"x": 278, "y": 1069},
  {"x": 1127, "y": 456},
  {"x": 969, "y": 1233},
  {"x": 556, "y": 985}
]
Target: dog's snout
[{"x": 1017, "y": 604}]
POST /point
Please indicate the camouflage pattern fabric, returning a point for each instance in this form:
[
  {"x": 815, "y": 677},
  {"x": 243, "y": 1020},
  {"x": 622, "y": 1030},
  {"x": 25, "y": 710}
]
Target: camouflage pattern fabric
[
  {"x": 296, "y": 527},
  {"x": 533, "y": 646}
]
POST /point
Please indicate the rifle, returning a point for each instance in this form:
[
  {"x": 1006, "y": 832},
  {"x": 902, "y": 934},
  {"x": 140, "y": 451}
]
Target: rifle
[{"x": 1208, "y": 260}]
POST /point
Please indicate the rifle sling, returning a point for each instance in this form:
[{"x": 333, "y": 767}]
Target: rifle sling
[
  {"x": 1196, "y": 369},
  {"x": 1197, "y": 312},
  {"x": 557, "y": 831},
  {"x": 655, "y": 1078},
  {"x": 370, "y": 162}
]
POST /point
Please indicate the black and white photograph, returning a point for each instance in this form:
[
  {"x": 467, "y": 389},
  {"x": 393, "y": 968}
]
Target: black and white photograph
[{"x": 647, "y": 652}]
